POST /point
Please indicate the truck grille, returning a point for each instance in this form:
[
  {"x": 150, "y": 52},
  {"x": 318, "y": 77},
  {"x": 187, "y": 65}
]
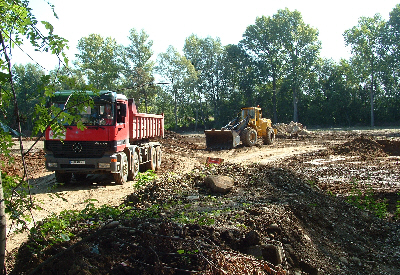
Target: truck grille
[{"x": 77, "y": 149}]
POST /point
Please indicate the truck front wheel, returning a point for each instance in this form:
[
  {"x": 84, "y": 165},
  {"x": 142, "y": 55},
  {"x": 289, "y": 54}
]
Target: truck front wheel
[
  {"x": 122, "y": 176},
  {"x": 63, "y": 177}
]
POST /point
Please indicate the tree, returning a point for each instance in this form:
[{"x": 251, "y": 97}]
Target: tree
[
  {"x": 365, "y": 42},
  {"x": 301, "y": 48},
  {"x": 17, "y": 21},
  {"x": 138, "y": 66},
  {"x": 28, "y": 82},
  {"x": 263, "y": 42},
  {"x": 207, "y": 55},
  {"x": 99, "y": 60},
  {"x": 180, "y": 72}
]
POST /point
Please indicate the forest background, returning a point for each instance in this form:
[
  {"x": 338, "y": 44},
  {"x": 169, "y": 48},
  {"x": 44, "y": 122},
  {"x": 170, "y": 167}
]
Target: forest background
[{"x": 277, "y": 65}]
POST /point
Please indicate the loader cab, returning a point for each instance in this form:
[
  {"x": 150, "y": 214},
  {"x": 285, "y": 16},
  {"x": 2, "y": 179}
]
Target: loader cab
[{"x": 254, "y": 114}]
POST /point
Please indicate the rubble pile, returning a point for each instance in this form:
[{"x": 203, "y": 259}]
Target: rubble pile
[{"x": 291, "y": 129}]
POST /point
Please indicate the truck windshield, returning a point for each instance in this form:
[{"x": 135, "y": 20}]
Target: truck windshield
[{"x": 99, "y": 114}]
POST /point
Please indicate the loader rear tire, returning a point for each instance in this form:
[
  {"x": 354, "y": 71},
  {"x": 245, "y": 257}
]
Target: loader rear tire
[
  {"x": 270, "y": 137},
  {"x": 249, "y": 137}
]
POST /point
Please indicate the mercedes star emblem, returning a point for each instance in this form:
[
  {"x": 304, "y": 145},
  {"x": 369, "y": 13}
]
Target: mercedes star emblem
[{"x": 77, "y": 147}]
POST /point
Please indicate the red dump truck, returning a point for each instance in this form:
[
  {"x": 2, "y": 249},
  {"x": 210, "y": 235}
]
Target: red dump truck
[{"x": 116, "y": 140}]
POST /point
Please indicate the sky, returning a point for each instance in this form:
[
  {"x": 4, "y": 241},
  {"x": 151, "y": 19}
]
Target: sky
[{"x": 170, "y": 22}]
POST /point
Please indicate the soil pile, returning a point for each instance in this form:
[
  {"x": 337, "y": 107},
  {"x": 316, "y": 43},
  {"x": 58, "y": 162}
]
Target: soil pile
[
  {"x": 291, "y": 216},
  {"x": 360, "y": 146},
  {"x": 273, "y": 222}
]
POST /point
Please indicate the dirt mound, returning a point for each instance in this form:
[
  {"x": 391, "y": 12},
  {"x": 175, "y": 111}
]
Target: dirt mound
[
  {"x": 272, "y": 222},
  {"x": 360, "y": 146}
]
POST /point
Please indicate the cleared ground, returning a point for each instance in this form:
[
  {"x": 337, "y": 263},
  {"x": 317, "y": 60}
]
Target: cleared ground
[{"x": 293, "y": 195}]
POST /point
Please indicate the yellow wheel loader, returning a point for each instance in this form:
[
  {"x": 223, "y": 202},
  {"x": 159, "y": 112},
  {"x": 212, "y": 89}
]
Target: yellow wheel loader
[{"x": 246, "y": 128}]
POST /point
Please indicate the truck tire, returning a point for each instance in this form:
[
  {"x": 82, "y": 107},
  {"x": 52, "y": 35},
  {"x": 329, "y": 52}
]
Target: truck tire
[
  {"x": 152, "y": 162},
  {"x": 135, "y": 166},
  {"x": 270, "y": 137},
  {"x": 159, "y": 156},
  {"x": 122, "y": 176},
  {"x": 249, "y": 137},
  {"x": 63, "y": 177}
]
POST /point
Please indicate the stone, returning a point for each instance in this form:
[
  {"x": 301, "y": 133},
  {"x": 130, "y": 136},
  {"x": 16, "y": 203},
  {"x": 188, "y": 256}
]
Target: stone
[
  {"x": 252, "y": 238},
  {"x": 219, "y": 184},
  {"x": 272, "y": 254},
  {"x": 255, "y": 250}
]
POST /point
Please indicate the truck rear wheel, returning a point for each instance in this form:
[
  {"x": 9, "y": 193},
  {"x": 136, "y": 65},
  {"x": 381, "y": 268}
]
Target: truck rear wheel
[
  {"x": 249, "y": 137},
  {"x": 270, "y": 137},
  {"x": 122, "y": 176},
  {"x": 63, "y": 177},
  {"x": 135, "y": 166},
  {"x": 152, "y": 162},
  {"x": 159, "y": 155}
]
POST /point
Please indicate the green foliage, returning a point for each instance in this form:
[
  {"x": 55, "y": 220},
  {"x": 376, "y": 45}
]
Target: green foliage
[
  {"x": 145, "y": 178},
  {"x": 397, "y": 213},
  {"x": 99, "y": 60},
  {"x": 62, "y": 227},
  {"x": 366, "y": 201}
]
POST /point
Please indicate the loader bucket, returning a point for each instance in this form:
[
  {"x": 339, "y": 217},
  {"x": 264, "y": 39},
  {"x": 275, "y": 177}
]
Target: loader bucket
[{"x": 221, "y": 139}]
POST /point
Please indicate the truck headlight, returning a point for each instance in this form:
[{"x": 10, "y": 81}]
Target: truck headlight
[
  {"x": 52, "y": 164},
  {"x": 104, "y": 165}
]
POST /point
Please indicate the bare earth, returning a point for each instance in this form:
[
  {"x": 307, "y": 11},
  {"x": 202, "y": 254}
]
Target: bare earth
[{"x": 295, "y": 195}]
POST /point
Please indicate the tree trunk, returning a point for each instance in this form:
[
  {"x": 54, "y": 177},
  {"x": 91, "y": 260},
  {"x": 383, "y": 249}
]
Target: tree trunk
[
  {"x": 295, "y": 115},
  {"x": 275, "y": 115},
  {"x": 3, "y": 230},
  {"x": 176, "y": 111},
  {"x": 371, "y": 96}
]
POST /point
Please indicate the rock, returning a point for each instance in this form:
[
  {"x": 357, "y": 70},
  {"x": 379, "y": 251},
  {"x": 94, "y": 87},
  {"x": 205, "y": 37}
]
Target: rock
[
  {"x": 256, "y": 251},
  {"x": 219, "y": 184},
  {"x": 272, "y": 254},
  {"x": 273, "y": 228},
  {"x": 344, "y": 260},
  {"x": 356, "y": 261},
  {"x": 252, "y": 238},
  {"x": 306, "y": 267},
  {"x": 112, "y": 224}
]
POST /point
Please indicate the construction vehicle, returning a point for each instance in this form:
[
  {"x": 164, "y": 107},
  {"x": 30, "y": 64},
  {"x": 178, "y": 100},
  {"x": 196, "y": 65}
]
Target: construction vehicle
[
  {"x": 117, "y": 140},
  {"x": 246, "y": 128}
]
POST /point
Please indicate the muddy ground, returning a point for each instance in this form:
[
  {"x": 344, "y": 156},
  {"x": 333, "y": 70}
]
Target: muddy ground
[{"x": 289, "y": 211}]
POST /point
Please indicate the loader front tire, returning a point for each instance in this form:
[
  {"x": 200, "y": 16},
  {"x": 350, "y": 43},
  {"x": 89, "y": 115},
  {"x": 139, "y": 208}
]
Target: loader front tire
[
  {"x": 249, "y": 137},
  {"x": 270, "y": 137}
]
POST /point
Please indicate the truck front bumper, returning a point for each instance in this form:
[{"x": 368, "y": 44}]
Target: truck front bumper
[{"x": 106, "y": 164}]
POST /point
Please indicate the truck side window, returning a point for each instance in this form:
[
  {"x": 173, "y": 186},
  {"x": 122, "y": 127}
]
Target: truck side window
[{"x": 121, "y": 112}]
